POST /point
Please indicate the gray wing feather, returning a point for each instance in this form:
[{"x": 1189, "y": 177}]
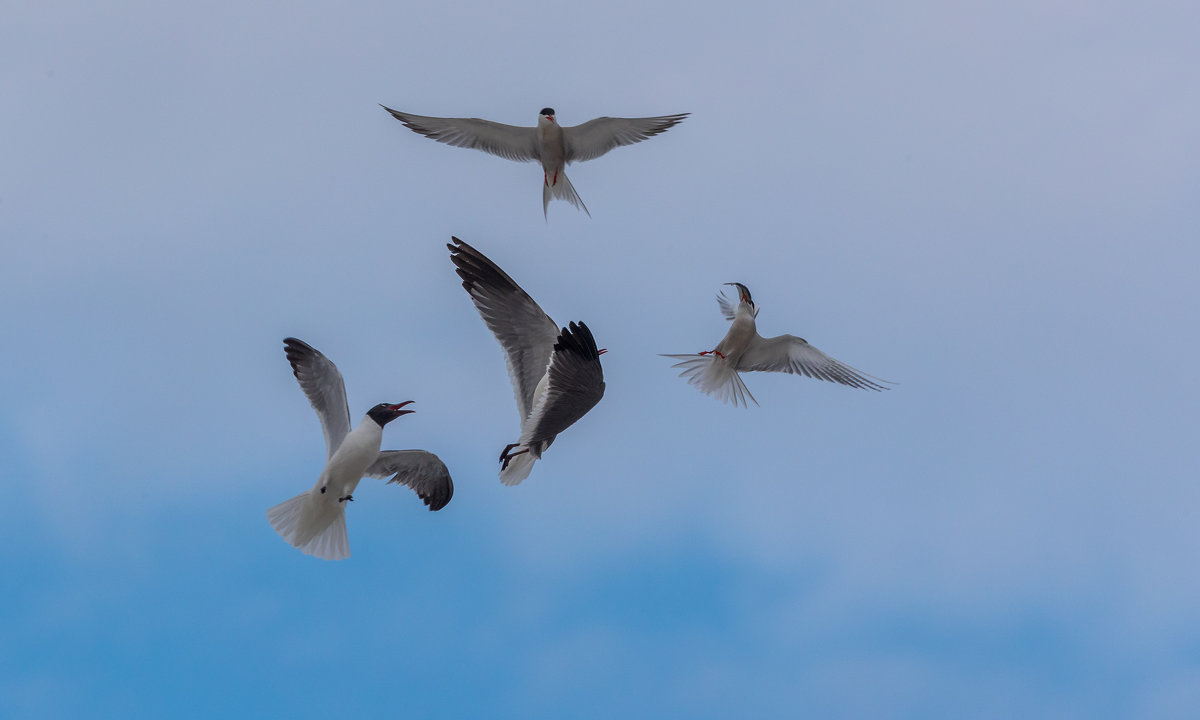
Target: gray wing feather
[
  {"x": 423, "y": 472},
  {"x": 322, "y": 383},
  {"x": 790, "y": 354},
  {"x": 596, "y": 137},
  {"x": 526, "y": 333},
  {"x": 575, "y": 385},
  {"x": 728, "y": 307},
  {"x": 506, "y": 141}
]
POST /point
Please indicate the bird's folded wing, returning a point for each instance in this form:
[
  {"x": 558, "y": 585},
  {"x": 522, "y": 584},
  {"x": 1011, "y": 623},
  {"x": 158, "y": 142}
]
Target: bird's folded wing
[
  {"x": 790, "y": 354},
  {"x": 574, "y": 386},
  {"x": 507, "y": 141},
  {"x": 596, "y": 137},
  {"x": 419, "y": 470},
  {"x": 322, "y": 383},
  {"x": 525, "y": 332}
]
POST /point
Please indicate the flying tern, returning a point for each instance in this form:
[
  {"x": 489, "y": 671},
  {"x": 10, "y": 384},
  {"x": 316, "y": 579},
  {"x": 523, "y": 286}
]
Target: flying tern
[
  {"x": 551, "y": 144},
  {"x": 742, "y": 349},
  {"x": 556, "y": 373},
  {"x": 315, "y": 521}
]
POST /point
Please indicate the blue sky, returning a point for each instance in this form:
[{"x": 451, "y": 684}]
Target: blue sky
[{"x": 993, "y": 204}]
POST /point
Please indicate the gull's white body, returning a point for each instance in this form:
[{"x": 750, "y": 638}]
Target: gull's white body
[
  {"x": 315, "y": 521},
  {"x": 716, "y": 372}
]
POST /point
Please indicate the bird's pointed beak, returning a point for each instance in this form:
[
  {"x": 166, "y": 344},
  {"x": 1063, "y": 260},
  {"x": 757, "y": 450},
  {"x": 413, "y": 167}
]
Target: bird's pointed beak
[
  {"x": 741, "y": 293},
  {"x": 601, "y": 351},
  {"x": 397, "y": 408}
]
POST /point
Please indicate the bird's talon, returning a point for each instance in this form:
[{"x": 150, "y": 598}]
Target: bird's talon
[
  {"x": 349, "y": 498},
  {"x": 506, "y": 457}
]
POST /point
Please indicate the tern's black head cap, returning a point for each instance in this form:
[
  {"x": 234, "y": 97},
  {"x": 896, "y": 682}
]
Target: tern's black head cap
[{"x": 547, "y": 111}]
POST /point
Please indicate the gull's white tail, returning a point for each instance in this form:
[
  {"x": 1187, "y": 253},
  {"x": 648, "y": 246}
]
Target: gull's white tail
[
  {"x": 564, "y": 190},
  {"x": 518, "y": 468},
  {"x": 714, "y": 376},
  {"x": 317, "y": 527}
]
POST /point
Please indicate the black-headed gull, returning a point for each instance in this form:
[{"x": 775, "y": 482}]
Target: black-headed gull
[
  {"x": 556, "y": 373},
  {"x": 742, "y": 349},
  {"x": 549, "y": 143},
  {"x": 315, "y": 521}
]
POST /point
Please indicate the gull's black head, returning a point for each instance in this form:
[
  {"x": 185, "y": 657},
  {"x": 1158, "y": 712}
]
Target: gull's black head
[
  {"x": 384, "y": 413},
  {"x": 548, "y": 112},
  {"x": 743, "y": 293}
]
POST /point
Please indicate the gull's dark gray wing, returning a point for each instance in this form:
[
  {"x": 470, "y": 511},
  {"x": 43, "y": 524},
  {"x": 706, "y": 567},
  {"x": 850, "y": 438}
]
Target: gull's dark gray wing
[
  {"x": 423, "y": 472},
  {"x": 506, "y": 141},
  {"x": 790, "y": 354},
  {"x": 596, "y": 137},
  {"x": 525, "y": 332},
  {"x": 574, "y": 386},
  {"x": 322, "y": 383}
]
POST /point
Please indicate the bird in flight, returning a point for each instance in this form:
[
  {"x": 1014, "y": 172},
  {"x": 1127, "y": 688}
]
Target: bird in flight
[
  {"x": 742, "y": 349},
  {"x": 315, "y": 521},
  {"x": 551, "y": 144},
  {"x": 555, "y": 372}
]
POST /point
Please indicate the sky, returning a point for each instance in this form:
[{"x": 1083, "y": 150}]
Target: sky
[{"x": 992, "y": 204}]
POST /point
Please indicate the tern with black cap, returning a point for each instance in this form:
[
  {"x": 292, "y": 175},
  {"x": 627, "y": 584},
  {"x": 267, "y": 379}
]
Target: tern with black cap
[
  {"x": 742, "y": 349},
  {"x": 549, "y": 143}
]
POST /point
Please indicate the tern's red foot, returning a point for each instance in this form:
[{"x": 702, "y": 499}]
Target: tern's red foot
[{"x": 713, "y": 352}]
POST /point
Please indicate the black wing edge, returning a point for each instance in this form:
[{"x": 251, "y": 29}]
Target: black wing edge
[
  {"x": 669, "y": 122},
  {"x": 438, "y": 500},
  {"x": 476, "y": 269},
  {"x": 442, "y": 493},
  {"x": 577, "y": 339},
  {"x": 411, "y": 125},
  {"x": 297, "y": 352}
]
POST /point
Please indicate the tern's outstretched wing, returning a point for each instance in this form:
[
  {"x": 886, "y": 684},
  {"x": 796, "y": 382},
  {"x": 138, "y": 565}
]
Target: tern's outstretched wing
[
  {"x": 421, "y": 471},
  {"x": 790, "y": 354},
  {"x": 596, "y": 137},
  {"x": 507, "y": 141},
  {"x": 525, "y": 332},
  {"x": 322, "y": 383}
]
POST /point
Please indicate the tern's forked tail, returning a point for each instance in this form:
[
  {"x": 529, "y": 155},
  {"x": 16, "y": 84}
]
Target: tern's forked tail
[
  {"x": 558, "y": 186},
  {"x": 714, "y": 376},
  {"x": 316, "y": 528}
]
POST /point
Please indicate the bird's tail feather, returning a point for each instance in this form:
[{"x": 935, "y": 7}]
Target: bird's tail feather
[
  {"x": 519, "y": 467},
  {"x": 562, "y": 189},
  {"x": 714, "y": 376},
  {"x": 317, "y": 529}
]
